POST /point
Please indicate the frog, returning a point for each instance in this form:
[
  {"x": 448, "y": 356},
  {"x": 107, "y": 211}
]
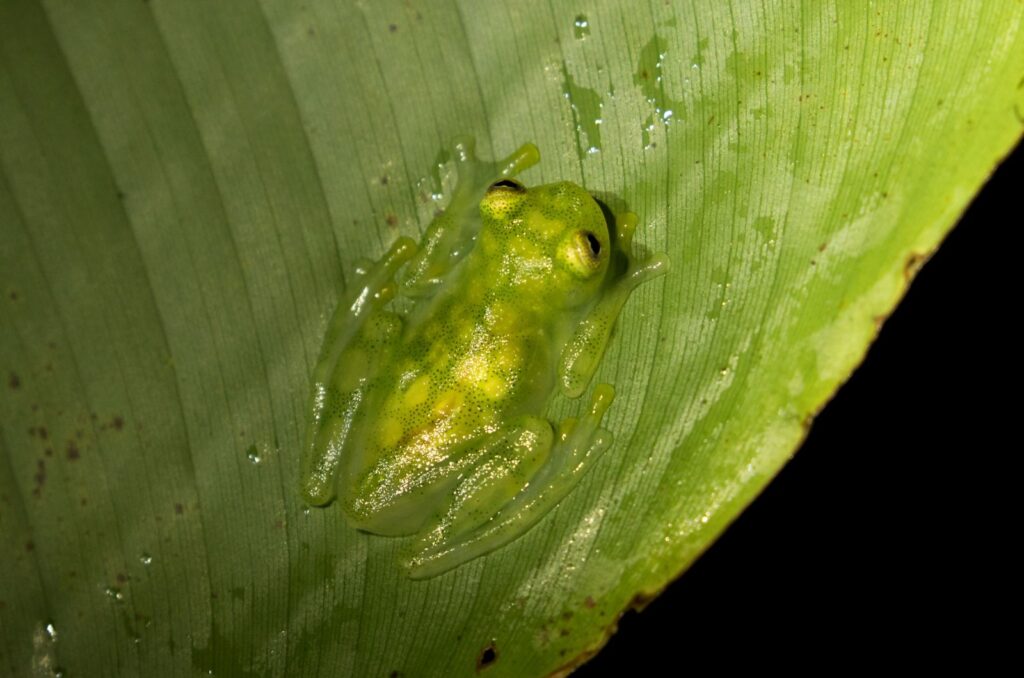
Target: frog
[{"x": 426, "y": 417}]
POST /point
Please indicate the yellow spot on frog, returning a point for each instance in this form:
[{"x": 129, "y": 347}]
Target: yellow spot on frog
[
  {"x": 417, "y": 392},
  {"x": 502, "y": 319},
  {"x": 545, "y": 228},
  {"x": 390, "y": 433},
  {"x": 524, "y": 249},
  {"x": 494, "y": 387},
  {"x": 448, "y": 403}
]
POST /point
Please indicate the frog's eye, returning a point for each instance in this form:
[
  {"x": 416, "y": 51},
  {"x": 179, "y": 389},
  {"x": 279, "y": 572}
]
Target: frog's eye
[
  {"x": 507, "y": 185},
  {"x": 582, "y": 253}
]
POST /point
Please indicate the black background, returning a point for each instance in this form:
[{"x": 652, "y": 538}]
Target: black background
[{"x": 887, "y": 541}]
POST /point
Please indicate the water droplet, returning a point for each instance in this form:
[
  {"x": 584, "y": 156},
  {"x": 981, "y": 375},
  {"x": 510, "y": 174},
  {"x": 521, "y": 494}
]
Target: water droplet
[
  {"x": 146, "y": 559},
  {"x": 581, "y": 27},
  {"x": 645, "y": 132},
  {"x": 253, "y": 455},
  {"x": 649, "y": 78},
  {"x": 51, "y": 632},
  {"x": 114, "y": 594},
  {"x": 586, "y": 105}
]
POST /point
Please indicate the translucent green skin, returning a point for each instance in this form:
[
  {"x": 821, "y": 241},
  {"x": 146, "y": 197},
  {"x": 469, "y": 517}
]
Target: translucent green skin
[{"x": 425, "y": 413}]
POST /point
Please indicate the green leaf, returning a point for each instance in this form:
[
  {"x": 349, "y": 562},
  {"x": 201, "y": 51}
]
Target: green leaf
[{"x": 184, "y": 185}]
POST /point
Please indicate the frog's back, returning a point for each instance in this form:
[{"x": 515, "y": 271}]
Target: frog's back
[{"x": 461, "y": 374}]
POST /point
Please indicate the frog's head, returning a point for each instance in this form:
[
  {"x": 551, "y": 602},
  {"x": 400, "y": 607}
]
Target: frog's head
[{"x": 552, "y": 240}]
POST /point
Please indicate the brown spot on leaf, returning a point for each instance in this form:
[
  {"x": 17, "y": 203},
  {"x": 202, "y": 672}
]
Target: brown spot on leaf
[
  {"x": 392, "y": 28},
  {"x": 391, "y": 219},
  {"x": 642, "y": 600},
  {"x": 40, "y": 478},
  {"x": 117, "y": 422},
  {"x": 73, "y": 452},
  {"x": 30, "y": 546},
  {"x": 913, "y": 264},
  {"x": 590, "y": 603},
  {"x": 179, "y": 509},
  {"x": 121, "y": 578},
  {"x": 14, "y": 381},
  {"x": 488, "y": 656}
]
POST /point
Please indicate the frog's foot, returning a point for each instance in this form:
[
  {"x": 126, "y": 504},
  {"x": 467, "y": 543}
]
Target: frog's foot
[
  {"x": 582, "y": 354},
  {"x": 450, "y": 236},
  {"x": 501, "y": 500},
  {"x": 637, "y": 271},
  {"x": 479, "y": 174},
  {"x": 356, "y": 344}
]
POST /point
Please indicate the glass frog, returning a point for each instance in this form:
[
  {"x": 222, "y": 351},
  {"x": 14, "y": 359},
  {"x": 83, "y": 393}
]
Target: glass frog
[{"x": 426, "y": 416}]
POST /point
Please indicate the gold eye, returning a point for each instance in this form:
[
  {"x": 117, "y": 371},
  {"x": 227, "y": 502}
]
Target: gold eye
[
  {"x": 507, "y": 185},
  {"x": 582, "y": 254}
]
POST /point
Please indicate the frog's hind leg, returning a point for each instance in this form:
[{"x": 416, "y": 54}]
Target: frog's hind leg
[
  {"x": 469, "y": 529},
  {"x": 450, "y": 236},
  {"x": 504, "y": 463},
  {"x": 358, "y": 340}
]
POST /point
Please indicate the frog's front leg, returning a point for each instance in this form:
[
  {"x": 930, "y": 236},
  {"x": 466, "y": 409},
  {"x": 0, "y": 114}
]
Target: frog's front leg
[
  {"x": 358, "y": 340},
  {"x": 511, "y": 490},
  {"x": 450, "y": 236},
  {"x": 582, "y": 354}
]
